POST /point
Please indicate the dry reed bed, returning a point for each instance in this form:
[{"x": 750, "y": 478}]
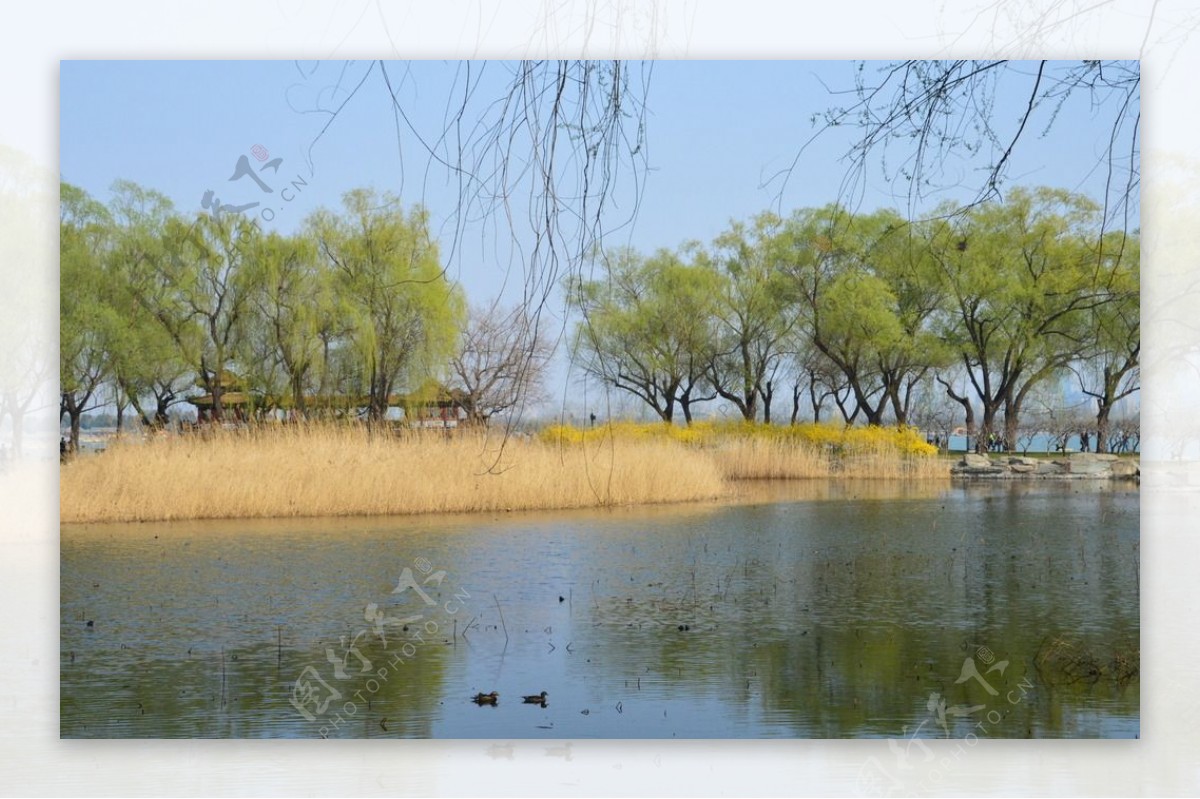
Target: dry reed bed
[{"x": 340, "y": 471}]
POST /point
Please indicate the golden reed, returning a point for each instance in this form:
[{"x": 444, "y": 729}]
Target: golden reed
[{"x": 326, "y": 470}]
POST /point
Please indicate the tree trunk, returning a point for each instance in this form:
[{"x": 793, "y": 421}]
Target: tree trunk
[
  {"x": 378, "y": 401},
  {"x": 298, "y": 394},
  {"x": 747, "y": 405},
  {"x": 815, "y": 401},
  {"x": 847, "y": 416},
  {"x": 162, "y": 404},
  {"x": 73, "y": 407},
  {"x": 1102, "y": 427},
  {"x": 212, "y": 383},
  {"x": 874, "y": 416},
  {"x": 965, "y": 402},
  {"x": 686, "y": 400},
  {"x": 1011, "y": 429},
  {"x": 988, "y": 427},
  {"x": 76, "y": 415},
  {"x": 898, "y": 408},
  {"x": 137, "y": 407},
  {"x": 903, "y": 407},
  {"x": 218, "y": 395},
  {"x": 1012, "y": 413}
]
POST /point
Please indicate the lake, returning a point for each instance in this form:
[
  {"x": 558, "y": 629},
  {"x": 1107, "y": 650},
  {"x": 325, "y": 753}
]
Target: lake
[{"x": 815, "y": 609}]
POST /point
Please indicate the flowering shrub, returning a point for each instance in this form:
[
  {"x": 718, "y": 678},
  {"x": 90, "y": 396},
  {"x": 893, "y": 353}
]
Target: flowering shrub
[{"x": 831, "y": 438}]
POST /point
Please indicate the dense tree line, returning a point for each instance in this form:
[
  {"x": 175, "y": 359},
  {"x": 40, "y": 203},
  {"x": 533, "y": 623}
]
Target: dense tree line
[
  {"x": 351, "y": 310},
  {"x": 874, "y": 317},
  {"x": 875, "y": 313}
]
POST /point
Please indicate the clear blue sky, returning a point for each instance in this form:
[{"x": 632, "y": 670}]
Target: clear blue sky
[{"x": 716, "y": 132}]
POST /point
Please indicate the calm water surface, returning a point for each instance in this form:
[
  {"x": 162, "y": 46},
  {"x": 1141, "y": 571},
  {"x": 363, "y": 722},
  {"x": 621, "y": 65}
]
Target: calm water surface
[{"x": 831, "y": 610}]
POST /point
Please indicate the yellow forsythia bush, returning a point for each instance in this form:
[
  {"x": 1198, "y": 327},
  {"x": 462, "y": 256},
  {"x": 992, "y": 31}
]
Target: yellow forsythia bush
[{"x": 834, "y": 438}]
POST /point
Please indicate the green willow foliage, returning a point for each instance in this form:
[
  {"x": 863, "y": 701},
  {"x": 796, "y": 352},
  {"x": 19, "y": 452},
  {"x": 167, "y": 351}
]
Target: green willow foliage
[
  {"x": 875, "y": 312},
  {"x": 881, "y": 315},
  {"x": 351, "y": 310}
]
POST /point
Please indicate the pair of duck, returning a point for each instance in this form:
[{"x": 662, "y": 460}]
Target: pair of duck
[{"x": 494, "y": 697}]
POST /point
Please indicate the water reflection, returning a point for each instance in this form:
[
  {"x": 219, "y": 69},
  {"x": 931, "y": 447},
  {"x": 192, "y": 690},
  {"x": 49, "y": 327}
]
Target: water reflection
[{"x": 838, "y": 613}]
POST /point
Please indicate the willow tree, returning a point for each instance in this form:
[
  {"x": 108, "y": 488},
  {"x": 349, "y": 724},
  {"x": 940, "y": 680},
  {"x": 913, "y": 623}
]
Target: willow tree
[
  {"x": 86, "y": 320},
  {"x": 1020, "y": 279},
  {"x": 404, "y": 316},
  {"x": 857, "y": 330},
  {"x": 148, "y": 365},
  {"x": 1109, "y": 369},
  {"x": 647, "y": 328},
  {"x": 292, "y": 302},
  {"x": 753, "y": 313},
  {"x": 200, "y": 293},
  {"x": 867, "y": 292}
]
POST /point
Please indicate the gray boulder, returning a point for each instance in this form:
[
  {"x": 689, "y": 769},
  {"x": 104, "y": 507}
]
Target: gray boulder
[
  {"x": 1124, "y": 468},
  {"x": 1078, "y": 464}
]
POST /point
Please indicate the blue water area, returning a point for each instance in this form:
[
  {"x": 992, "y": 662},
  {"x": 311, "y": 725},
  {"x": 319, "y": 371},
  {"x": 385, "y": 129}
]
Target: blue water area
[{"x": 863, "y": 611}]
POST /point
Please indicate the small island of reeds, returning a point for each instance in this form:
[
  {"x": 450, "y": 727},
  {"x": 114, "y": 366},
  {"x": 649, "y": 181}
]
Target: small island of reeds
[{"x": 275, "y": 470}]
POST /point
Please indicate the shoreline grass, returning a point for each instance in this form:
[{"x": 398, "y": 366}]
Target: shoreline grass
[{"x": 326, "y": 470}]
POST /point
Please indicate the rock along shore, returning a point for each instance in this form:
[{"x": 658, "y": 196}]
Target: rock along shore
[{"x": 1076, "y": 466}]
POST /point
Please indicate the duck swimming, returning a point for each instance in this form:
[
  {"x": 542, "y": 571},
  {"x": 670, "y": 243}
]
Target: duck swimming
[
  {"x": 486, "y": 699},
  {"x": 538, "y": 699}
]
